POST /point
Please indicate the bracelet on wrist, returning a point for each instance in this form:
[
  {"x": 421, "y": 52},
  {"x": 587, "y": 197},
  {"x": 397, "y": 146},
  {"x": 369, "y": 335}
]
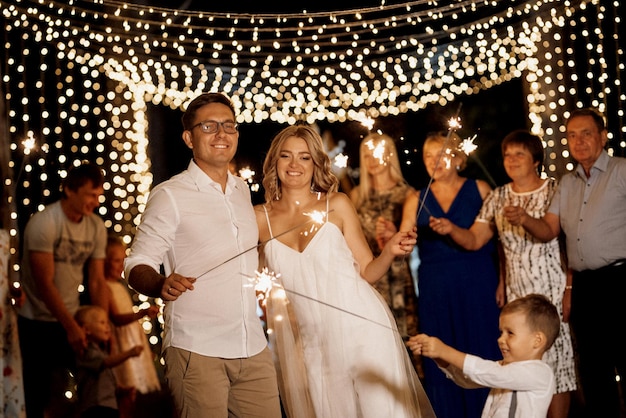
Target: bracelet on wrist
[{"x": 568, "y": 287}]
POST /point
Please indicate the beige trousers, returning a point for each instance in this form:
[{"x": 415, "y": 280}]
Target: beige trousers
[{"x": 214, "y": 387}]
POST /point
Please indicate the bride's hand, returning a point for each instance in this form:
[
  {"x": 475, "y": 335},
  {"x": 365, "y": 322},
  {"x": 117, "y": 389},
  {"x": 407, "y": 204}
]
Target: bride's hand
[
  {"x": 385, "y": 229},
  {"x": 402, "y": 243}
]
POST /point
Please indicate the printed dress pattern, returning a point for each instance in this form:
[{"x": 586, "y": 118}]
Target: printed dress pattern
[
  {"x": 534, "y": 267},
  {"x": 396, "y": 286}
]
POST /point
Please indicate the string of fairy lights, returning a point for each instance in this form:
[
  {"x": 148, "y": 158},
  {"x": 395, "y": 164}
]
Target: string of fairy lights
[{"x": 78, "y": 77}]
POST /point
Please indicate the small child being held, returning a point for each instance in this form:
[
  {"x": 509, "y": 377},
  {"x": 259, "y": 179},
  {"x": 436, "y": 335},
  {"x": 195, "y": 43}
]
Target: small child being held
[
  {"x": 138, "y": 374},
  {"x": 521, "y": 384},
  {"x": 95, "y": 379}
]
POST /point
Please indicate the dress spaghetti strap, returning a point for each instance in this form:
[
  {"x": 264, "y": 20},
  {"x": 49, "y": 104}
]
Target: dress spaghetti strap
[
  {"x": 269, "y": 226},
  {"x": 327, "y": 206}
]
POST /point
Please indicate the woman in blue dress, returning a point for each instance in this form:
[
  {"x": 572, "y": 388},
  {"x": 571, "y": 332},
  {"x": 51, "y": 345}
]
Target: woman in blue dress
[{"x": 458, "y": 289}]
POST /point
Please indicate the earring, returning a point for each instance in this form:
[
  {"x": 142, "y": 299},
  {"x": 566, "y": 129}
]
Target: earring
[
  {"x": 276, "y": 190},
  {"x": 458, "y": 168}
]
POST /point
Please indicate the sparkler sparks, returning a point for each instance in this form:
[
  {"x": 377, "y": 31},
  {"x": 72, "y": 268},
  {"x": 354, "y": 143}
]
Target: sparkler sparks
[
  {"x": 453, "y": 123},
  {"x": 468, "y": 146},
  {"x": 317, "y": 217},
  {"x": 29, "y": 143},
  {"x": 264, "y": 281},
  {"x": 378, "y": 151},
  {"x": 340, "y": 160},
  {"x": 447, "y": 158}
]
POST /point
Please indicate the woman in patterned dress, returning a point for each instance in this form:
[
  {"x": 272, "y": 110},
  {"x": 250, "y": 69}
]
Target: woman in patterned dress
[
  {"x": 531, "y": 266},
  {"x": 379, "y": 196}
]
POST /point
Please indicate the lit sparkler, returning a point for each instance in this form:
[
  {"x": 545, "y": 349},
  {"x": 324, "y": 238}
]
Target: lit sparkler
[
  {"x": 264, "y": 281},
  {"x": 453, "y": 124},
  {"x": 467, "y": 146},
  {"x": 339, "y": 161},
  {"x": 29, "y": 145},
  {"x": 448, "y": 155},
  {"x": 378, "y": 151},
  {"x": 317, "y": 216}
]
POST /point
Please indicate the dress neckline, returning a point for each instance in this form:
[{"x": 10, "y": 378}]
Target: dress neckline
[
  {"x": 454, "y": 200},
  {"x": 318, "y": 229}
]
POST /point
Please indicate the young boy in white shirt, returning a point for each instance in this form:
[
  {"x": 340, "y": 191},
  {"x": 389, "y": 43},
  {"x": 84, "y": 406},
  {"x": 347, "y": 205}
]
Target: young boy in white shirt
[{"x": 521, "y": 384}]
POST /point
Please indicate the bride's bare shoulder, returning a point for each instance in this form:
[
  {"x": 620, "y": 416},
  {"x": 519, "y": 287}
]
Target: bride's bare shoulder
[
  {"x": 339, "y": 198},
  {"x": 341, "y": 204}
]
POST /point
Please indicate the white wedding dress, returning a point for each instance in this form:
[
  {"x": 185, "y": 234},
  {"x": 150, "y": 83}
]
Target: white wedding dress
[{"x": 336, "y": 344}]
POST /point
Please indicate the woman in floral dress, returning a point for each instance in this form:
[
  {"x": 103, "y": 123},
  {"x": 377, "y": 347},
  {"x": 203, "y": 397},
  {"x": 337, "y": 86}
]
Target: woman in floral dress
[{"x": 379, "y": 197}]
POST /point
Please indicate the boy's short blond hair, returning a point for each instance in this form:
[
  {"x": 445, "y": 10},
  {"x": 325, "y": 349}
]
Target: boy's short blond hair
[{"x": 541, "y": 315}]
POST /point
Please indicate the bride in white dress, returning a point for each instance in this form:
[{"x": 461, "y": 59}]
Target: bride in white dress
[{"x": 337, "y": 349}]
